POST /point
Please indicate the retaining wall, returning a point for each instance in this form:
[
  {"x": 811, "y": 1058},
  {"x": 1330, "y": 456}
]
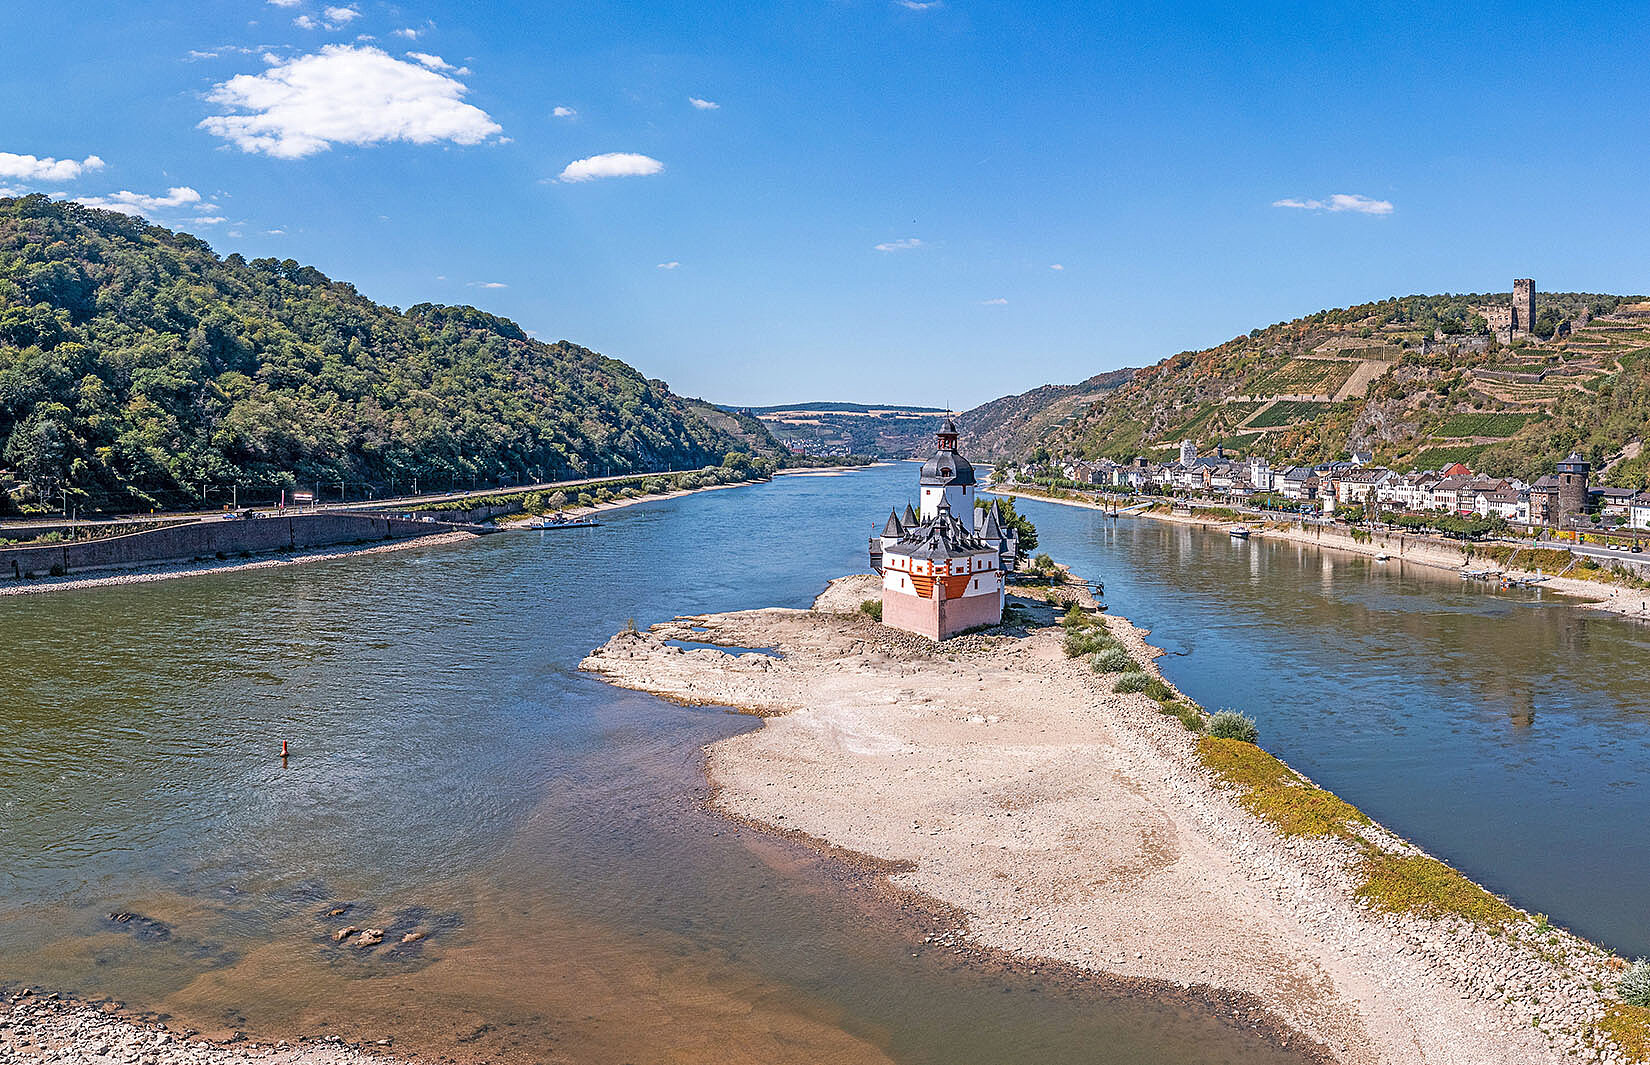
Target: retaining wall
[{"x": 187, "y": 542}]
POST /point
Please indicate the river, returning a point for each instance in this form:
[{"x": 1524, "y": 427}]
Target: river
[
  {"x": 451, "y": 772},
  {"x": 1506, "y": 731}
]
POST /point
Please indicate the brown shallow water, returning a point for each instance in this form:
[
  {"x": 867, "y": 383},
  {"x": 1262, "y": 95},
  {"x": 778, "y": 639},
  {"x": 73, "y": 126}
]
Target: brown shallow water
[{"x": 452, "y": 774}]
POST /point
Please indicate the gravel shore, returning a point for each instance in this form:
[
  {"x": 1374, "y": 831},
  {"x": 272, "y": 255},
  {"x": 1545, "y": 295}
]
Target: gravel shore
[
  {"x": 49, "y": 1029},
  {"x": 1067, "y": 822}
]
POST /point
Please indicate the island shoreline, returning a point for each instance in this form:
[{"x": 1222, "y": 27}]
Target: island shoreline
[{"x": 1362, "y": 952}]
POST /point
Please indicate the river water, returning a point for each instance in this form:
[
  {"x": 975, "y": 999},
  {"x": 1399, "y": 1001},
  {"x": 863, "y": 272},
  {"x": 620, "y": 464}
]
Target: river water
[
  {"x": 1508, "y": 732},
  {"x": 451, "y": 772}
]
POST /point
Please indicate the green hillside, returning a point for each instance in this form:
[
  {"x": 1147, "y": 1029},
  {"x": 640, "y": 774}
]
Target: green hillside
[
  {"x": 138, "y": 368},
  {"x": 1416, "y": 380}
]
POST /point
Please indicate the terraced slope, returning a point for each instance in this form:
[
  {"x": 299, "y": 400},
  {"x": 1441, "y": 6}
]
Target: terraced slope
[{"x": 1416, "y": 380}]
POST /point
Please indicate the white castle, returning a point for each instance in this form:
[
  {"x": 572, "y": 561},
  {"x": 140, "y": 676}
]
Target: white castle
[{"x": 943, "y": 568}]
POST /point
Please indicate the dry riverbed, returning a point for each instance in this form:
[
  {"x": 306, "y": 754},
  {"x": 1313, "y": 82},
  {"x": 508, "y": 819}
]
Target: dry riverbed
[{"x": 1064, "y": 821}]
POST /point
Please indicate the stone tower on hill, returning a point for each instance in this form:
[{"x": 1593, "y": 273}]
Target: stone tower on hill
[{"x": 1523, "y": 305}]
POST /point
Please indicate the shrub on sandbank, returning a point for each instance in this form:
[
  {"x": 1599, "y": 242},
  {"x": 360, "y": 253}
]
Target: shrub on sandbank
[{"x": 1132, "y": 681}]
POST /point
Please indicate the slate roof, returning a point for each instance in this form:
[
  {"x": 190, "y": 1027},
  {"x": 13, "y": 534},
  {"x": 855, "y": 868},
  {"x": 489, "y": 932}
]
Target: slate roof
[
  {"x": 893, "y": 527},
  {"x": 940, "y": 538}
]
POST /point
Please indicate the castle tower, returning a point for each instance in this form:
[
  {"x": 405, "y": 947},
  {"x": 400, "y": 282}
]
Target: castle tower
[
  {"x": 1523, "y": 305},
  {"x": 1188, "y": 452},
  {"x": 947, "y": 478},
  {"x": 1572, "y": 487}
]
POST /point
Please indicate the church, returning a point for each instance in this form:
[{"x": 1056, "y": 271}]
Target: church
[{"x": 944, "y": 567}]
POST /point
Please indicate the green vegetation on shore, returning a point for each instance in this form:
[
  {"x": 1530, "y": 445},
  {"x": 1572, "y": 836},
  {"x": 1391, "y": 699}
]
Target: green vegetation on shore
[{"x": 139, "y": 369}]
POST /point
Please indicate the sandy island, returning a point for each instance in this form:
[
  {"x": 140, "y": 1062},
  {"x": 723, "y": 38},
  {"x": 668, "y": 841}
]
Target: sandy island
[{"x": 1066, "y": 822}]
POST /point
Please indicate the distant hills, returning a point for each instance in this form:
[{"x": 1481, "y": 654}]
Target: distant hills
[
  {"x": 835, "y": 429},
  {"x": 138, "y": 368},
  {"x": 1417, "y": 380}
]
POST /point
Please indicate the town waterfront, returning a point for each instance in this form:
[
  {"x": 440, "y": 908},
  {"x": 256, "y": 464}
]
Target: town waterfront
[{"x": 450, "y": 772}]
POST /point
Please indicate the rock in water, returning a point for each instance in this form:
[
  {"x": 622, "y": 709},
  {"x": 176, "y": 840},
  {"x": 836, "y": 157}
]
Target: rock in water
[{"x": 370, "y": 937}]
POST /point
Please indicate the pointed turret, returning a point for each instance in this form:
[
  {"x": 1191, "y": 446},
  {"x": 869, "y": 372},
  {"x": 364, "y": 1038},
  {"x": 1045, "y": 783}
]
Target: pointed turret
[
  {"x": 991, "y": 530},
  {"x": 893, "y": 528},
  {"x": 910, "y": 519}
]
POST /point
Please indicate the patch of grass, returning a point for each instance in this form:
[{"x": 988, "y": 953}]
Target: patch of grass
[
  {"x": 1082, "y": 642},
  {"x": 1132, "y": 681},
  {"x": 1273, "y": 791},
  {"x": 1231, "y": 725},
  {"x": 1112, "y": 660},
  {"x": 1415, "y": 883},
  {"x": 1190, "y": 717},
  {"x": 872, "y": 608},
  {"x": 1159, "y": 692},
  {"x": 1629, "y": 1027},
  {"x": 1635, "y": 985}
]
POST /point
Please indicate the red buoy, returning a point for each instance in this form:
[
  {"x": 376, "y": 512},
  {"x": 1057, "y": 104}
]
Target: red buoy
[{"x": 283, "y": 750}]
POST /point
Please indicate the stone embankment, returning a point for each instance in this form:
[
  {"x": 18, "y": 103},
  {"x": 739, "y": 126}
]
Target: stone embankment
[
  {"x": 1067, "y": 821},
  {"x": 48, "y": 1029}
]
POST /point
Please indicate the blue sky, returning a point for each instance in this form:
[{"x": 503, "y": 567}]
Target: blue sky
[{"x": 859, "y": 199}]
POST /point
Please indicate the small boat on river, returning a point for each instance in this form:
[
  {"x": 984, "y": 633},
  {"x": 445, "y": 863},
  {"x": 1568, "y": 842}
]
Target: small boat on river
[
  {"x": 1238, "y": 532},
  {"x": 561, "y": 523}
]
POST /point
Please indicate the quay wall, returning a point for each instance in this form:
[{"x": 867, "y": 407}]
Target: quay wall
[{"x": 186, "y": 542}]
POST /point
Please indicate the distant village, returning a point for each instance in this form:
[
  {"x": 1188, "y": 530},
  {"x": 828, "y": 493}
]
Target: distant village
[{"x": 1560, "y": 499}]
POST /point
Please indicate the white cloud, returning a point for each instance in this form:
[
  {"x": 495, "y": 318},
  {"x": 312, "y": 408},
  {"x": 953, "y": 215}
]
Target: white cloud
[
  {"x": 32, "y": 168},
  {"x": 344, "y": 95},
  {"x": 903, "y": 244},
  {"x": 1055, "y": 266},
  {"x": 435, "y": 62},
  {"x": 6, "y": 190},
  {"x": 304, "y": 22},
  {"x": 196, "y": 55},
  {"x": 611, "y": 164},
  {"x": 406, "y": 31},
  {"x": 1340, "y": 201},
  {"x": 919, "y": 5},
  {"x": 673, "y": 264},
  {"x": 702, "y": 104},
  {"x": 487, "y": 284},
  {"x": 564, "y": 112},
  {"x": 274, "y": 232},
  {"x": 209, "y": 220},
  {"x": 285, "y": 3},
  {"x": 128, "y": 202},
  {"x": 341, "y": 16},
  {"x": 995, "y": 301}
]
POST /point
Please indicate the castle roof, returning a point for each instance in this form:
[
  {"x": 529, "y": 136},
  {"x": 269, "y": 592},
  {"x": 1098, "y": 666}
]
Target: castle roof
[
  {"x": 947, "y": 468},
  {"x": 910, "y": 518},
  {"x": 939, "y": 538},
  {"x": 893, "y": 527}
]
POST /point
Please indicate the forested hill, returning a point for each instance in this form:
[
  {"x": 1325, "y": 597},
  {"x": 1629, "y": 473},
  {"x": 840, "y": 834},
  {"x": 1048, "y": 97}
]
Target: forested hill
[
  {"x": 137, "y": 366},
  {"x": 1419, "y": 381}
]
